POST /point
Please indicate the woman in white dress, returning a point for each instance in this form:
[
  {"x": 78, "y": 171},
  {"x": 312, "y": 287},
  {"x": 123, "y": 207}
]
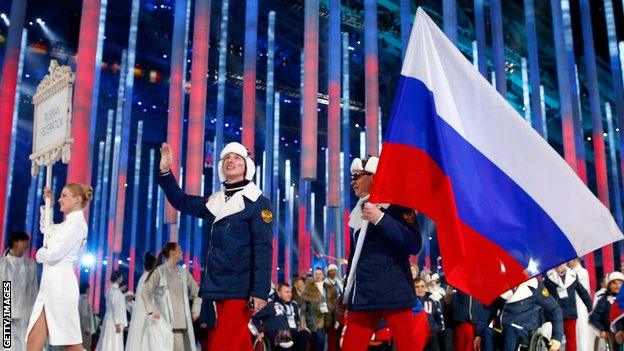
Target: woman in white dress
[
  {"x": 115, "y": 320},
  {"x": 166, "y": 295},
  {"x": 55, "y": 315},
  {"x": 139, "y": 315}
]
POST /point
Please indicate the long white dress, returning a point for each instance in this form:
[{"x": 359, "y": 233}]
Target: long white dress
[
  {"x": 585, "y": 335},
  {"x": 136, "y": 330},
  {"x": 22, "y": 273},
  {"x": 110, "y": 340},
  {"x": 58, "y": 290}
]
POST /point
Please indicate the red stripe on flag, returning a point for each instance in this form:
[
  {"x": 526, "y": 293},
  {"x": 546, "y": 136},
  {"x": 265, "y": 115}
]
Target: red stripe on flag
[{"x": 407, "y": 176}]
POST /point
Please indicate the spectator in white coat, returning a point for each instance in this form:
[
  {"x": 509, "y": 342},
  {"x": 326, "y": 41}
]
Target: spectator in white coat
[{"x": 115, "y": 320}]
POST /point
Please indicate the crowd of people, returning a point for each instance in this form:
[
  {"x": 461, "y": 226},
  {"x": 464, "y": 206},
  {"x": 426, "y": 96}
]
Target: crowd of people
[{"x": 379, "y": 301}]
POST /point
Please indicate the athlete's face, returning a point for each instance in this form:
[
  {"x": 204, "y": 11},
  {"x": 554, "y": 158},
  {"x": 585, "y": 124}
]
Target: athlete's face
[
  {"x": 615, "y": 286},
  {"x": 234, "y": 167},
  {"x": 361, "y": 184}
]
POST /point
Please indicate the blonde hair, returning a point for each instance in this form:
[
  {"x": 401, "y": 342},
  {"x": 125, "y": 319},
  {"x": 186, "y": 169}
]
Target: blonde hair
[{"x": 84, "y": 191}]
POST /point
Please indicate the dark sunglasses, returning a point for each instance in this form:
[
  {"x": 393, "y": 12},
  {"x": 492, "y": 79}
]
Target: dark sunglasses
[{"x": 358, "y": 175}]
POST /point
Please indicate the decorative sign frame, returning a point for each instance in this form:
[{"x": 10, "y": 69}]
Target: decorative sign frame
[{"x": 52, "y": 118}]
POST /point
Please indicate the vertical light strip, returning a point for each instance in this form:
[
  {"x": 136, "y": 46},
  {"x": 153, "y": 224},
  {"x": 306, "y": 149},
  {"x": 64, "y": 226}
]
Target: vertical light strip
[
  {"x": 288, "y": 218},
  {"x": 544, "y": 130},
  {"x": 475, "y": 54},
  {"x": 406, "y": 25},
  {"x": 333, "y": 112},
  {"x": 95, "y": 223},
  {"x": 135, "y": 204},
  {"x": 126, "y": 127},
  {"x": 35, "y": 227},
  {"x": 449, "y": 21},
  {"x": 218, "y": 145},
  {"x": 197, "y": 102},
  {"x": 302, "y": 206},
  {"x": 616, "y": 75},
  {"x": 574, "y": 91},
  {"x": 97, "y": 72},
  {"x": 159, "y": 220},
  {"x": 371, "y": 76},
  {"x": 149, "y": 215},
  {"x": 362, "y": 144},
  {"x": 525, "y": 90},
  {"x": 20, "y": 68},
  {"x": 114, "y": 183},
  {"x": 108, "y": 146},
  {"x": 249, "y": 75},
  {"x": 617, "y": 205},
  {"x": 309, "y": 123},
  {"x": 534, "y": 73},
  {"x": 498, "y": 46},
  {"x": 481, "y": 39},
  {"x": 176, "y": 94},
  {"x": 8, "y": 88},
  {"x": 563, "y": 79},
  {"x": 275, "y": 179},
  {"x": 346, "y": 144},
  {"x": 269, "y": 130},
  {"x": 79, "y": 169}
]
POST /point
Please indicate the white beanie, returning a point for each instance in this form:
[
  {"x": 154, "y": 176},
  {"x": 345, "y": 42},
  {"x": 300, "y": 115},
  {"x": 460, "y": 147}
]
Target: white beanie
[
  {"x": 614, "y": 276},
  {"x": 368, "y": 165},
  {"x": 240, "y": 150}
]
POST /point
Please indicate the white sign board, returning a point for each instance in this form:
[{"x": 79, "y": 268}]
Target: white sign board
[{"x": 52, "y": 120}]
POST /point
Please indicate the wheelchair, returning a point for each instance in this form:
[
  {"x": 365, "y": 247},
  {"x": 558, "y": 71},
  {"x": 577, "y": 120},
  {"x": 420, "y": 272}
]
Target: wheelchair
[
  {"x": 537, "y": 342},
  {"x": 608, "y": 344}
]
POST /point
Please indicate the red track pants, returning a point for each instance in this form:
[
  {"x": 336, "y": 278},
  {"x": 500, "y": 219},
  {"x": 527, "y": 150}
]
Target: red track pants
[
  {"x": 406, "y": 328},
  {"x": 231, "y": 332},
  {"x": 569, "y": 329},
  {"x": 464, "y": 337}
]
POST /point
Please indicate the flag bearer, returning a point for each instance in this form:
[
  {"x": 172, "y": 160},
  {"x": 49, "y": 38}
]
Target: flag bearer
[{"x": 382, "y": 286}]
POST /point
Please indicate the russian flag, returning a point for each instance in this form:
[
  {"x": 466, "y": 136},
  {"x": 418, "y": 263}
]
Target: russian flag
[
  {"x": 617, "y": 310},
  {"x": 507, "y": 207}
]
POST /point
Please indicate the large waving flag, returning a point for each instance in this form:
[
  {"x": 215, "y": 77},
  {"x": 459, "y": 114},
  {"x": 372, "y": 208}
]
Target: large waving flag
[{"x": 506, "y": 205}]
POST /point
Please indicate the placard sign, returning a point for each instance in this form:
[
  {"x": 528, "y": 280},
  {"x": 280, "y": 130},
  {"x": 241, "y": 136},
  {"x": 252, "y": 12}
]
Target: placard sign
[{"x": 52, "y": 120}]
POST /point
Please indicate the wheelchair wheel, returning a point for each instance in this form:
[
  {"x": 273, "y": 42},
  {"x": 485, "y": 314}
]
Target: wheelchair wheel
[
  {"x": 264, "y": 345},
  {"x": 538, "y": 342}
]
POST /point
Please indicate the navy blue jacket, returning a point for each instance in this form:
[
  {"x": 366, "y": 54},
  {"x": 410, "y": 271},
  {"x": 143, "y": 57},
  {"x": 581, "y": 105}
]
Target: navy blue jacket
[
  {"x": 465, "y": 308},
  {"x": 434, "y": 313},
  {"x": 568, "y": 305},
  {"x": 599, "y": 317},
  {"x": 383, "y": 279},
  {"x": 274, "y": 316},
  {"x": 525, "y": 313},
  {"x": 240, "y": 250}
]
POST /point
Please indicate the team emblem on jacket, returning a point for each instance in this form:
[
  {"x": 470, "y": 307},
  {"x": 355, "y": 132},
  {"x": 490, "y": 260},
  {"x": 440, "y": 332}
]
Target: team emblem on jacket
[
  {"x": 267, "y": 216},
  {"x": 409, "y": 217},
  {"x": 545, "y": 292}
]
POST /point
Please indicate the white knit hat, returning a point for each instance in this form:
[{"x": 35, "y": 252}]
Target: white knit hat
[
  {"x": 368, "y": 165},
  {"x": 614, "y": 276},
  {"x": 240, "y": 150},
  {"x": 332, "y": 267}
]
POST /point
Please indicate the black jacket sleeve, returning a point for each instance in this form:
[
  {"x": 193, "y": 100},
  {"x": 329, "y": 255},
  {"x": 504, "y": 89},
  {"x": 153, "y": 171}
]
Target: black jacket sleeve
[
  {"x": 584, "y": 295},
  {"x": 399, "y": 225},
  {"x": 187, "y": 204},
  {"x": 262, "y": 242},
  {"x": 599, "y": 317}
]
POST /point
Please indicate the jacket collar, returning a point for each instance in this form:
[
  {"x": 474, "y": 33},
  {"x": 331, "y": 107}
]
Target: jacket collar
[
  {"x": 220, "y": 208},
  {"x": 568, "y": 278},
  {"x": 523, "y": 292}
]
